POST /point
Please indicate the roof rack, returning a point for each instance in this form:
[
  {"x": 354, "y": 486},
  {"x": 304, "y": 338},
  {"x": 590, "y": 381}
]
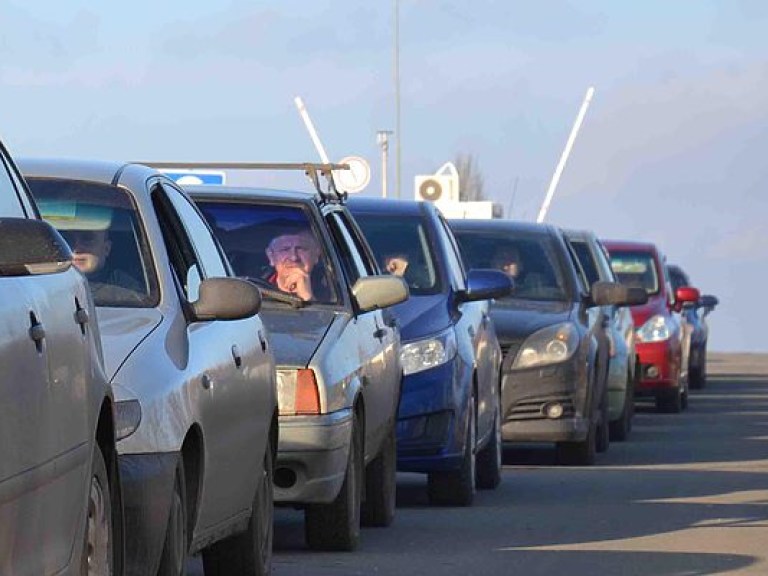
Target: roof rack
[{"x": 311, "y": 170}]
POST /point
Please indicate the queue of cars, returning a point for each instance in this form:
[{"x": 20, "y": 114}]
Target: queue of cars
[{"x": 182, "y": 360}]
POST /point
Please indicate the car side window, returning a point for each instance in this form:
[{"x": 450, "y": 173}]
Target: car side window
[
  {"x": 208, "y": 250},
  {"x": 351, "y": 261},
  {"x": 580, "y": 275},
  {"x": 181, "y": 253},
  {"x": 586, "y": 259},
  {"x": 455, "y": 265},
  {"x": 366, "y": 257},
  {"x": 10, "y": 203}
]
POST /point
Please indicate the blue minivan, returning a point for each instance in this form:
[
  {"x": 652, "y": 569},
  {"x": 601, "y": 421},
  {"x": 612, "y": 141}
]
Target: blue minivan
[{"x": 449, "y": 424}]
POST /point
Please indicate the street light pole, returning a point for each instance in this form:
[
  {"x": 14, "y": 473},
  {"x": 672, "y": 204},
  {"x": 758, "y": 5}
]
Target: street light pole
[
  {"x": 398, "y": 131},
  {"x": 382, "y": 138}
]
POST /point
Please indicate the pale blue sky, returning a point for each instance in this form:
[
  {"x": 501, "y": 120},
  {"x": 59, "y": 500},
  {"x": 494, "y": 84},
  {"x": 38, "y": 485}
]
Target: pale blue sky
[{"x": 672, "y": 149}]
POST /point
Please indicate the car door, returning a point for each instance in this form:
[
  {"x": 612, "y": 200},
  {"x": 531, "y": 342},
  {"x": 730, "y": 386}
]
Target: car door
[
  {"x": 228, "y": 367},
  {"x": 376, "y": 340},
  {"x": 45, "y": 380},
  {"x": 474, "y": 320}
]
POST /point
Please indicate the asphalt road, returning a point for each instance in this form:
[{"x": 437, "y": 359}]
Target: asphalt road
[{"x": 686, "y": 495}]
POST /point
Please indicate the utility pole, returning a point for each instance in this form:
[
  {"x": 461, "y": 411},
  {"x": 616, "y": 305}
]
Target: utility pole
[
  {"x": 382, "y": 138},
  {"x": 398, "y": 129},
  {"x": 564, "y": 156}
]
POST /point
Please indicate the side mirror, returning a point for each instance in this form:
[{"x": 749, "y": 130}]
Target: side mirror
[
  {"x": 615, "y": 294},
  {"x": 486, "y": 284},
  {"x": 31, "y": 247},
  {"x": 708, "y": 303},
  {"x": 374, "y": 292},
  {"x": 226, "y": 299}
]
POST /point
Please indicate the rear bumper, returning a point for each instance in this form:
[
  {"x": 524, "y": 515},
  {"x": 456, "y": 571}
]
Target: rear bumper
[{"x": 312, "y": 457}]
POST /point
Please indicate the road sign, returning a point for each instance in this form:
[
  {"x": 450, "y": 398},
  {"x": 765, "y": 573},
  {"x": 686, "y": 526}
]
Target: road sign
[
  {"x": 356, "y": 178},
  {"x": 194, "y": 177}
]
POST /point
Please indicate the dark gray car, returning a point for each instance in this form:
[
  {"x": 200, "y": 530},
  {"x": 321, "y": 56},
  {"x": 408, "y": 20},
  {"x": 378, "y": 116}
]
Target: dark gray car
[
  {"x": 189, "y": 360},
  {"x": 59, "y": 490}
]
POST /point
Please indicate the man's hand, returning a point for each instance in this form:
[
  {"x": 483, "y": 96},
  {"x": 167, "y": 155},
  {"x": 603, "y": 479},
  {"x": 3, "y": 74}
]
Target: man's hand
[
  {"x": 396, "y": 266},
  {"x": 296, "y": 281}
]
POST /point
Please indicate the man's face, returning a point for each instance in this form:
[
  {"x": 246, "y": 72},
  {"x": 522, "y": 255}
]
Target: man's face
[
  {"x": 90, "y": 248},
  {"x": 293, "y": 251}
]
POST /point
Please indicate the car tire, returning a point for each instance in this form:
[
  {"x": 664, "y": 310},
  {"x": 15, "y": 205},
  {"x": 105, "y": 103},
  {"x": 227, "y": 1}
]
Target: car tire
[
  {"x": 378, "y": 507},
  {"x": 603, "y": 437},
  {"x": 669, "y": 403},
  {"x": 579, "y": 453},
  {"x": 248, "y": 553},
  {"x": 175, "y": 547},
  {"x": 621, "y": 427},
  {"x": 336, "y": 526},
  {"x": 457, "y": 487},
  {"x": 698, "y": 374},
  {"x": 489, "y": 459},
  {"x": 98, "y": 542}
]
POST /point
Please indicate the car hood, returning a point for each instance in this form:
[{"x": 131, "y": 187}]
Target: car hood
[
  {"x": 122, "y": 330},
  {"x": 296, "y": 334},
  {"x": 516, "y": 319},
  {"x": 656, "y": 305},
  {"x": 421, "y": 316}
]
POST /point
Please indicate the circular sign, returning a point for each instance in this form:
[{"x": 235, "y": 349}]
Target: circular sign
[
  {"x": 431, "y": 189},
  {"x": 356, "y": 178}
]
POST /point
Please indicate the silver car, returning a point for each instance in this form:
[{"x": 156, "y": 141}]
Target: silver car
[
  {"x": 620, "y": 330},
  {"x": 339, "y": 373},
  {"x": 193, "y": 373},
  {"x": 59, "y": 488}
]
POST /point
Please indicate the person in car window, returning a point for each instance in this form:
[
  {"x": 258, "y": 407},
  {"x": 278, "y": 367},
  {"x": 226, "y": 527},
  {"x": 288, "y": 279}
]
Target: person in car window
[
  {"x": 294, "y": 255},
  {"x": 109, "y": 284},
  {"x": 396, "y": 263},
  {"x": 508, "y": 259}
]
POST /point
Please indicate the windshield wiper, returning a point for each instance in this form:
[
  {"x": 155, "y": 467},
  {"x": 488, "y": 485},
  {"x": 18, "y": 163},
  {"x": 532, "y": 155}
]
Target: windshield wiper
[{"x": 269, "y": 291}]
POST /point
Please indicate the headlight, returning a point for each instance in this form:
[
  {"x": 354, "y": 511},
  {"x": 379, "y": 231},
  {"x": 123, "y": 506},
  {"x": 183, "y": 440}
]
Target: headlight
[
  {"x": 297, "y": 392},
  {"x": 656, "y": 329},
  {"x": 429, "y": 352},
  {"x": 127, "y": 418},
  {"x": 549, "y": 345}
]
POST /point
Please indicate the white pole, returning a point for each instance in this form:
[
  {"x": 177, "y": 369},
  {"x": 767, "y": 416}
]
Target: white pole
[
  {"x": 311, "y": 129},
  {"x": 566, "y": 153}
]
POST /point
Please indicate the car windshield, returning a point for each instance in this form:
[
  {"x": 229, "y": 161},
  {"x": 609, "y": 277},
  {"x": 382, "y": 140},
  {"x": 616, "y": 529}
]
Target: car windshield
[
  {"x": 402, "y": 247},
  {"x": 636, "y": 269},
  {"x": 530, "y": 259},
  {"x": 276, "y": 245},
  {"x": 101, "y": 224}
]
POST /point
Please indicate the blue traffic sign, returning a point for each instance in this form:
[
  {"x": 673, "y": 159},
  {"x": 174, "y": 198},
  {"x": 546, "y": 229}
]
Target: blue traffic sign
[{"x": 196, "y": 177}]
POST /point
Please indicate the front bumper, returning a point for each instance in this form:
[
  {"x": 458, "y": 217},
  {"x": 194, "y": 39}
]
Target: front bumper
[
  {"x": 147, "y": 481},
  {"x": 430, "y": 434},
  {"x": 526, "y": 394},
  {"x": 312, "y": 457},
  {"x": 659, "y": 368}
]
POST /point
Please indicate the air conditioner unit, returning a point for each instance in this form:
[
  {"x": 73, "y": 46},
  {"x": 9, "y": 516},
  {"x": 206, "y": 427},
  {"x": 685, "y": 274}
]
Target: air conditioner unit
[{"x": 437, "y": 188}]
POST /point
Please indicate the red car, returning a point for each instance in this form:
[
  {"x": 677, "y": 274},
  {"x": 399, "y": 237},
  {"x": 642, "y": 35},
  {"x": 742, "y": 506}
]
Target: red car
[{"x": 658, "y": 330}]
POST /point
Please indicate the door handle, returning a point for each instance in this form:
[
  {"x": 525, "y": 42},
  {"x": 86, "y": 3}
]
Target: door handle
[
  {"x": 236, "y": 356},
  {"x": 206, "y": 382},
  {"x": 36, "y": 331},
  {"x": 262, "y": 341},
  {"x": 81, "y": 316},
  {"x": 379, "y": 333}
]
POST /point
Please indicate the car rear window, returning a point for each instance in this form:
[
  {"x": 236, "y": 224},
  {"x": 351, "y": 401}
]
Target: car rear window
[
  {"x": 250, "y": 232},
  {"x": 401, "y": 245},
  {"x": 636, "y": 269},
  {"x": 539, "y": 274},
  {"x": 102, "y": 225}
]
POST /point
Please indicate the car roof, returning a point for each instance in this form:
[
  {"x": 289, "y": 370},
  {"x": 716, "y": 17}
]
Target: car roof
[
  {"x": 502, "y": 225},
  {"x": 98, "y": 171},
  {"x": 247, "y": 193},
  {"x": 386, "y": 205},
  {"x": 579, "y": 234}
]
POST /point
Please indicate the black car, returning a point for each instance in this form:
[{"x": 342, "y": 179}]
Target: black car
[
  {"x": 696, "y": 329},
  {"x": 552, "y": 336}
]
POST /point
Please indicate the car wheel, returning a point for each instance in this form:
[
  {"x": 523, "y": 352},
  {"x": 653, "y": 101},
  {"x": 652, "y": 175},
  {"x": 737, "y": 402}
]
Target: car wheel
[
  {"x": 620, "y": 428},
  {"x": 698, "y": 374},
  {"x": 336, "y": 526},
  {"x": 248, "y": 553},
  {"x": 457, "y": 487},
  {"x": 98, "y": 543},
  {"x": 603, "y": 438},
  {"x": 670, "y": 403},
  {"x": 378, "y": 508},
  {"x": 172, "y": 562},
  {"x": 489, "y": 459}
]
